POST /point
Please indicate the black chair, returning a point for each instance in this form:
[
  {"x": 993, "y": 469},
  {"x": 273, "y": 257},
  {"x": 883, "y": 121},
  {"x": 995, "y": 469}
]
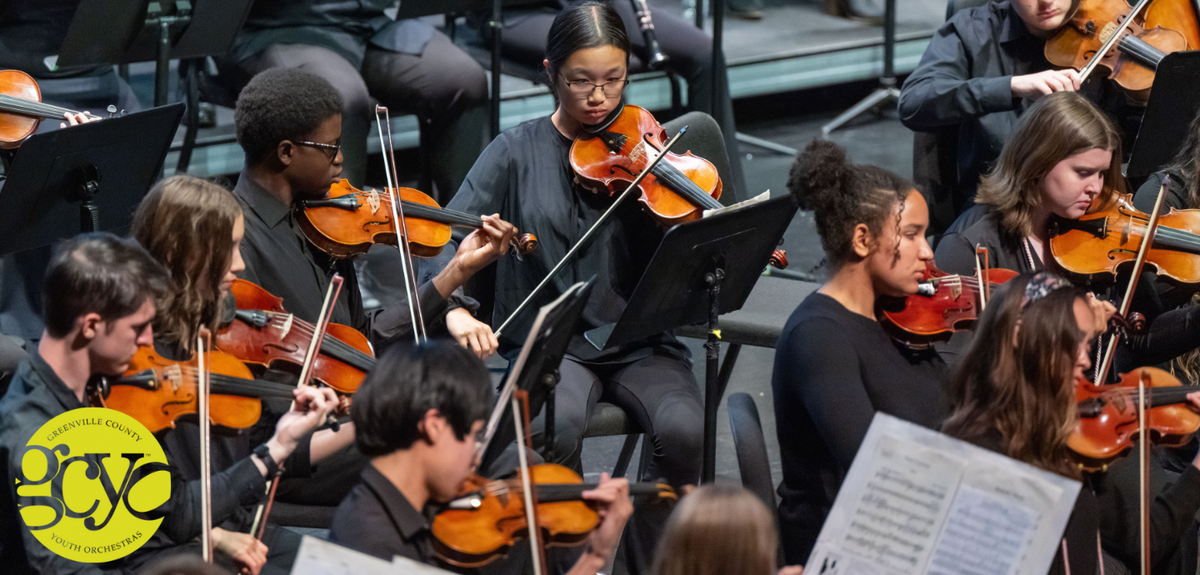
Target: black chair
[{"x": 751, "y": 448}]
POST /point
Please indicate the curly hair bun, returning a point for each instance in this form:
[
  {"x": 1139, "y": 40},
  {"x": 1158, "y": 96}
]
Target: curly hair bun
[{"x": 819, "y": 176}]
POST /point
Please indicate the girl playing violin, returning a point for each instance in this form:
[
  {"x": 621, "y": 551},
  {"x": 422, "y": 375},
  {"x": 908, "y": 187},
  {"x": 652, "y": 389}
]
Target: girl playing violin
[
  {"x": 525, "y": 175},
  {"x": 834, "y": 365},
  {"x": 194, "y": 228},
  {"x": 1063, "y": 160},
  {"x": 1014, "y": 393}
]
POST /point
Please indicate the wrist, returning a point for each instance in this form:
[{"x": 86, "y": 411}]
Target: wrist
[
  {"x": 280, "y": 448},
  {"x": 450, "y": 278}
]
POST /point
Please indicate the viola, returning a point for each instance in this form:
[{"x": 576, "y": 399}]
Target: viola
[
  {"x": 1093, "y": 38},
  {"x": 264, "y": 333},
  {"x": 21, "y": 108},
  {"x": 611, "y": 156},
  {"x": 1108, "y": 416},
  {"x": 944, "y": 303},
  {"x": 1103, "y": 242},
  {"x": 349, "y": 221},
  {"x": 157, "y": 391},
  {"x": 489, "y": 517}
]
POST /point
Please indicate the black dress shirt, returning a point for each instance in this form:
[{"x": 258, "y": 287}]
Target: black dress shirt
[
  {"x": 37, "y": 395},
  {"x": 525, "y": 176},
  {"x": 377, "y": 519},
  {"x": 283, "y": 262},
  {"x": 339, "y": 25},
  {"x": 964, "y": 80},
  {"x": 833, "y": 370}
]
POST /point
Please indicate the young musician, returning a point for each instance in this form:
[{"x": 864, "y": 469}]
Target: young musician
[
  {"x": 1184, "y": 169},
  {"x": 982, "y": 71},
  {"x": 289, "y": 125},
  {"x": 194, "y": 228},
  {"x": 1014, "y": 393},
  {"x": 422, "y": 439},
  {"x": 834, "y": 365},
  {"x": 720, "y": 529},
  {"x": 1063, "y": 159},
  {"x": 99, "y": 295},
  {"x": 525, "y": 175}
]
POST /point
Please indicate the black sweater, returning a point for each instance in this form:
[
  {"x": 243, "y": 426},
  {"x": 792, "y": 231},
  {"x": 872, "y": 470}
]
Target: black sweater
[{"x": 833, "y": 370}]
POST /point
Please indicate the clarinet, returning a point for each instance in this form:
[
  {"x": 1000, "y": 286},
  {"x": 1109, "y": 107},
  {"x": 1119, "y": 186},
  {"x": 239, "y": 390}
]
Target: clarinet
[{"x": 657, "y": 58}]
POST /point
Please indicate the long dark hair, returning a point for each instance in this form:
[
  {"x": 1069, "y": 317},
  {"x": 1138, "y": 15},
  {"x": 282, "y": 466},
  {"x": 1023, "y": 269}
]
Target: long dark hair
[
  {"x": 1023, "y": 392},
  {"x": 1187, "y": 162},
  {"x": 590, "y": 24}
]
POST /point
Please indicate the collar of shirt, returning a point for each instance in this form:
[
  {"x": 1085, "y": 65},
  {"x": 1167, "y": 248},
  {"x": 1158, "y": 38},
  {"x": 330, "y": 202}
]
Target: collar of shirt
[
  {"x": 407, "y": 519},
  {"x": 267, "y": 207},
  {"x": 1013, "y": 29},
  {"x": 53, "y": 382}
]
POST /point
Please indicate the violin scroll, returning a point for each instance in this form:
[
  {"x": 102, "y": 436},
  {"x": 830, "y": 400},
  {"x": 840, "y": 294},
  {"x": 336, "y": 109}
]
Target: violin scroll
[
  {"x": 778, "y": 260},
  {"x": 525, "y": 244}
]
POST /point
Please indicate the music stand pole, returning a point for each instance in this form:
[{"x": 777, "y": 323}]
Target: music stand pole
[
  {"x": 887, "y": 90},
  {"x": 717, "y": 39},
  {"x": 497, "y": 25}
]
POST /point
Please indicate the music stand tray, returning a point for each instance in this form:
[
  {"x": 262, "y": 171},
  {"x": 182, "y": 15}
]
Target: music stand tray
[
  {"x": 702, "y": 269},
  {"x": 536, "y": 368},
  {"x": 1174, "y": 101},
  {"x": 115, "y": 161}
]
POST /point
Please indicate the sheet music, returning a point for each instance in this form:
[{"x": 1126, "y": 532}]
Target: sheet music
[
  {"x": 320, "y": 557},
  {"x": 406, "y": 566},
  {"x": 916, "y": 501}
]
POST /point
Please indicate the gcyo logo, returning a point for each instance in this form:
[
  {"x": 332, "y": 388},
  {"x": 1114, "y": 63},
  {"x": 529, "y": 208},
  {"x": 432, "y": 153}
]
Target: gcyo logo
[{"x": 88, "y": 486}]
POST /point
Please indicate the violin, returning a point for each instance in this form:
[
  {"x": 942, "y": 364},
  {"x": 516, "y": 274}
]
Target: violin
[
  {"x": 21, "y": 108},
  {"x": 264, "y": 333},
  {"x": 943, "y": 304},
  {"x": 1088, "y": 39},
  {"x": 489, "y": 517},
  {"x": 157, "y": 391},
  {"x": 348, "y": 221},
  {"x": 1108, "y": 416},
  {"x": 610, "y": 156},
  {"x": 1100, "y": 243}
]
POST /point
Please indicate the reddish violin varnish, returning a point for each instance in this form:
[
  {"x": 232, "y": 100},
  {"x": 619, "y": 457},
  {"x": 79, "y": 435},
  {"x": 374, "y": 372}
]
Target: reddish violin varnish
[
  {"x": 263, "y": 333},
  {"x": 947, "y": 303}
]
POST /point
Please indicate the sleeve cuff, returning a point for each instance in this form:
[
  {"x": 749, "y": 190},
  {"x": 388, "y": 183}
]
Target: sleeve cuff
[
  {"x": 459, "y": 299},
  {"x": 996, "y": 94},
  {"x": 299, "y": 463},
  {"x": 247, "y": 482}
]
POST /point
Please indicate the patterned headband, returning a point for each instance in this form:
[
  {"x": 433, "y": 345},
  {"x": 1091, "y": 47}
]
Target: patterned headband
[{"x": 1042, "y": 285}]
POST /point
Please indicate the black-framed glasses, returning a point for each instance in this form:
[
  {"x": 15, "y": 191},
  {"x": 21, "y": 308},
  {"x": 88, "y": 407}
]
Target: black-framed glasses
[
  {"x": 584, "y": 88},
  {"x": 335, "y": 147}
]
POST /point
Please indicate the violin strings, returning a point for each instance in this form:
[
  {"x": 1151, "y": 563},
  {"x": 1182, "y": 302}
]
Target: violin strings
[{"x": 333, "y": 345}]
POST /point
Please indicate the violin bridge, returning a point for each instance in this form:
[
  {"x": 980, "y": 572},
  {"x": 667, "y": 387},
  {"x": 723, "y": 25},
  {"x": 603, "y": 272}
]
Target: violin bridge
[
  {"x": 373, "y": 201},
  {"x": 1125, "y": 229},
  {"x": 956, "y": 289},
  {"x": 174, "y": 376},
  {"x": 287, "y": 326},
  {"x": 1107, "y": 32}
]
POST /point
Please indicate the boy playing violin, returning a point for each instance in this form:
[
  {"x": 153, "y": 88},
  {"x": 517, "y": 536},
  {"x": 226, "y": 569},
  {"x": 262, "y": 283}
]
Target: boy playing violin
[
  {"x": 289, "y": 123},
  {"x": 421, "y": 438},
  {"x": 99, "y": 297}
]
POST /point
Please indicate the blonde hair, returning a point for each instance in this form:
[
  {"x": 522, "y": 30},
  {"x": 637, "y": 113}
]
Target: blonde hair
[
  {"x": 187, "y": 223},
  {"x": 1058, "y": 126},
  {"x": 717, "y": 530}
]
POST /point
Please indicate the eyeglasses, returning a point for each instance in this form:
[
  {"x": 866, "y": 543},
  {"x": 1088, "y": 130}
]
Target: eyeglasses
[
  {"x": 336, "y": 146},
  {"x": 584, "y": 88}
]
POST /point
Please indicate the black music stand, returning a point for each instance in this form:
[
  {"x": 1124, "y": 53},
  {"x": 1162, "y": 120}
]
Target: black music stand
[
  {"x": 1174, "y": 101},
  {"x": 106, "y": 32},
  {"x": 543, "y": 352},
  {"x": 701, "y": 270},
  {"x": 61, "y": 183}
]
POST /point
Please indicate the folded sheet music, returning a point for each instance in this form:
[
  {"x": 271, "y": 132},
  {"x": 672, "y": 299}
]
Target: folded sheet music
[
  {"x": 919, "y": 502},
  {"x": 320, "y": 557}
]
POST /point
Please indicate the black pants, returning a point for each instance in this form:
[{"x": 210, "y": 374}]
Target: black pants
[
  {"x": 689, "y": 50},
  {"x": 442, "y": 86}
]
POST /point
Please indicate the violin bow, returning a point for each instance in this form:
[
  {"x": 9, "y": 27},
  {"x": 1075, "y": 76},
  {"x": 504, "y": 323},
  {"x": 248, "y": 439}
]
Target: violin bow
[
  {"x": 406, "y": 262},
  {"x": 203, "y": 386},
  {"x": 1139, "y": 263},
  {"x": 982, "y": 272},
  {"x": 587, "y": 236},
  {"x": 1112, "y": 41},
  {"x": 520, "y": 407},
  {"x": 314, "y": 345}
]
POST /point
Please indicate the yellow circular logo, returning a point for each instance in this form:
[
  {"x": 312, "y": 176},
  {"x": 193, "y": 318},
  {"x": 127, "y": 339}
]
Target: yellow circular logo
[{"x": 88, "y": 487}]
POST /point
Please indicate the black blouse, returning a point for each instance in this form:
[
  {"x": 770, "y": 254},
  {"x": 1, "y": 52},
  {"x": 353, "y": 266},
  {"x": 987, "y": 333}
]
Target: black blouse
[
  {"x": 526, "y": 177},
  {"x": 833, "y": 370}
]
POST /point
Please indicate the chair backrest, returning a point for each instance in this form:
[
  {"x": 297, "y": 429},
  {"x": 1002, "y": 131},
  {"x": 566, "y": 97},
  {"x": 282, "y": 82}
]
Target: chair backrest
[
  {"x": 751, "y": 447},
  {"x": 12, "y": 547}
]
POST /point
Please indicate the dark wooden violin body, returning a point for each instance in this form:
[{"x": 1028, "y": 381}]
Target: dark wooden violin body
[
  {"x": 157, "y": 391},
  {"x": 349, "y": 221},
  {"x": 1100, "y": 243},
  {"x": 677, "y": 190},
  {"x": 945, "y": 304},
  {"x": 263, "y": 333},
  {"x": 1108, "y": 416},
  {"x": 495, "y": 518},
  {"x": 21, "y": 108},
  {"x": 1132, "y": 62}
]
